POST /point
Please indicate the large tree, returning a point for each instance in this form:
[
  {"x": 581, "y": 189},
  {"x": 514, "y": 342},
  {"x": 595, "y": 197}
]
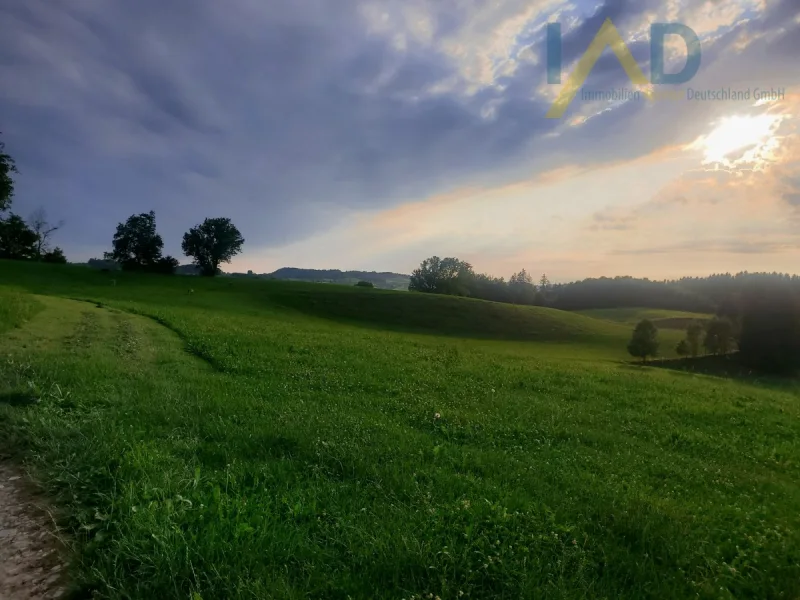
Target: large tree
[
  {"x": 443, "y": 276},
  {"x": 17, "y": 240},
  {"x": 644, "y": 341},
  {"x": 137, "y": 245},
  {"x": 7, "y": 167},
  {"x": 213, "y": 242}
]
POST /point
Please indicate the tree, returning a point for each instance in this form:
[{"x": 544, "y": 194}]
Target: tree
[
  {"x": 365, "y": 284},
  {"x": 719, "y": 336},
  {"x": 136, "y": 244},
  {"x": 544, "y": 283},
  {"x": 17, "y": 240},
  {"x": 165, "y": 265},
  {"x": 644, "y": 341},
  {"x": 682, "y": 349},
  {"x": 522, "y": 289},
  {"x": 7, "y": 167},
  {"x": 55, "y": 256},
  {"x": 443, "y": 276},
  {"x": 211, "y": 243},
  {"x": 43, "y": 229},
  {"x": 693, "y": 333},
  {"x": 770, "y": 335}
]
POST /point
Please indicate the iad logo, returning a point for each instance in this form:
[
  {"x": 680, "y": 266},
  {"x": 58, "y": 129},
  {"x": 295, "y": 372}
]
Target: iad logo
[{"x": 609, "y": 36}]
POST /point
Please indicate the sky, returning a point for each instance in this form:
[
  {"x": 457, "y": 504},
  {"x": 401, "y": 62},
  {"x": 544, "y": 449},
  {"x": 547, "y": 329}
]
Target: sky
[{"x": 370, "y": 135}]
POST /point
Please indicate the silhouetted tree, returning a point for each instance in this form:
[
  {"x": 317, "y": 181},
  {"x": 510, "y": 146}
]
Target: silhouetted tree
[
  {"x": 693, "y": 334},
  {"x": 17, "y": 240},
  {"x": 770, "y": 335},
  {"x": 719, "y": 336},
  {"x": 55, "y": 256},
  {"x": 7, "y": 167},
  {"x": 644, "y": 341},
  {"x": 682, "y": 349},
  {"x": 211, "y": 243},
  {"x": 165, "y": 265},
  {"x": 136, "y": 244},
  {"x": 365, "y": 284},
  {"x": 43, "y": 229}
]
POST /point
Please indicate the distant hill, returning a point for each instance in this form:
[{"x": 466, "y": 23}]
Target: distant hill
[{"x": 386, "y": 281}]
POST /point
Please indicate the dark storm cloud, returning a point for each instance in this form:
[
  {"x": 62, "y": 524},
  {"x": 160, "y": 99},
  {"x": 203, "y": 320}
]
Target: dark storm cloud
[{"x": 278, "y": 114}]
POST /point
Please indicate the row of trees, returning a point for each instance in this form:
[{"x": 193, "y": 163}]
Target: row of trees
[
  {"x": 137, "y": 245},
  {"x": 21, "y": 239},
  {"x": 716, "y": 337},
  {"x": 456, "y": 277},
  {"x": 757, "y": 314},
  {"x": 765, "y": 334}
]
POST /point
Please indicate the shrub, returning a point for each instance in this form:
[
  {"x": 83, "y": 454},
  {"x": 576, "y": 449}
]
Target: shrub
[{"x": 365, "y": 284}]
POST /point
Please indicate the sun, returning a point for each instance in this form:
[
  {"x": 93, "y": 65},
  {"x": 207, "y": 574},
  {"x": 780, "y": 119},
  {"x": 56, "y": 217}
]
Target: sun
[{"x": 740, "y": 141}]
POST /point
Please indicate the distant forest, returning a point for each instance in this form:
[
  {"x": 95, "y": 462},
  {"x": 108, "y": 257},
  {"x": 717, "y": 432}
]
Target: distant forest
[
  {"x": 386, "y": 281},
  {"x": 757, "y": 314},
  {"x": 722, "y": 294}
]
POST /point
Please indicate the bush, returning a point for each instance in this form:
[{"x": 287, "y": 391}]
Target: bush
[
  {"x": 365, "y": 284},
  {"x": 55, "y": 256}
]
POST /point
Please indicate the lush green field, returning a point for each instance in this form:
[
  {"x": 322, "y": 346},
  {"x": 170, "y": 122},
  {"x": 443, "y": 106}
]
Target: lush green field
[
  {"x": 255, "y": 439},
  {"x": 663, "y": 319}
]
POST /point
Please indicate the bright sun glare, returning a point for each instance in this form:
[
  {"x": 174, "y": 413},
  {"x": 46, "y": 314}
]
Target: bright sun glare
[{"x": 739, "y": 141}]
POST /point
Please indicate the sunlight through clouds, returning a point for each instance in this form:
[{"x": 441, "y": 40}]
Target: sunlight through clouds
[{"x": 741, "y": 141}]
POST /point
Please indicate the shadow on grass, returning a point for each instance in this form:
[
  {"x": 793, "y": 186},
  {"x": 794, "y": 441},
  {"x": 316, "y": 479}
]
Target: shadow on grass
[
  {"x": 18, "y": 398},
  {"x": 727, "y": 367}
]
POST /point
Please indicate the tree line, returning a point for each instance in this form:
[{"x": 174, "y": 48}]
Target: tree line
[
  {"x": 764, "y": 335},
  {"x": 756, "y": 315},
  {"x": 136, "y": 245},
  {"x": 456, "y": 277},
  {"x": 717, "y": 336}
]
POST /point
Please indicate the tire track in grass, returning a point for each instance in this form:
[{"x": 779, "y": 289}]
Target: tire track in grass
[{"x": 33, "y": 555}]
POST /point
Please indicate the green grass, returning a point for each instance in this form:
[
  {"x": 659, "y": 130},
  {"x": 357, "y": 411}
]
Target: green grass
[
  {"x": 277, "y": 440},
  {"x": 663, "y": 319}
]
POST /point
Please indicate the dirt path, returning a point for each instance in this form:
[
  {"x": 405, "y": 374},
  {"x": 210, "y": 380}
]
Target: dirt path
[{"x": 30, "y": 564}]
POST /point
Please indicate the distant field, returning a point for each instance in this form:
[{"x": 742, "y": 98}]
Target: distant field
[
  {"x": 663, "y": 319},
  {"x": 265, "y": 439}
]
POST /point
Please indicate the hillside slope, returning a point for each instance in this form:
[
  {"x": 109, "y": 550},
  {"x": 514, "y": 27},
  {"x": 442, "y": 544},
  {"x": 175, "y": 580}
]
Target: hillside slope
[{"x": 383, "y": 309}]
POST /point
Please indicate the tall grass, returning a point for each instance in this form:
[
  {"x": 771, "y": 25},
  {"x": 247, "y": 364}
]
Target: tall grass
[{"x": 232, "y": 443}]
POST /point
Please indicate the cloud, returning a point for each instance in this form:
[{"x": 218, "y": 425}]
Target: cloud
[
  {"x": 291, "y": 117},
  {"x": 724, "y": 246}
]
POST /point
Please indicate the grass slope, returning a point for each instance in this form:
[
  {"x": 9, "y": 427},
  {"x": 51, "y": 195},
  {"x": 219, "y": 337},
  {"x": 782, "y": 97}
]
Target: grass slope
[
  {"x": 663, "y": 319},
  {"x": 233, "y": 443}
]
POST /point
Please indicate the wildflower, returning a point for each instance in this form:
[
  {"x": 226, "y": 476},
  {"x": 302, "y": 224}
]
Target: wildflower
[{"x": 437, "y": 416}]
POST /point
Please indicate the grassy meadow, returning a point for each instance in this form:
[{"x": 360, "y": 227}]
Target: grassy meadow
[
  {"x": 663, "y": 319},
  {"x": 265, "y": 439}
]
